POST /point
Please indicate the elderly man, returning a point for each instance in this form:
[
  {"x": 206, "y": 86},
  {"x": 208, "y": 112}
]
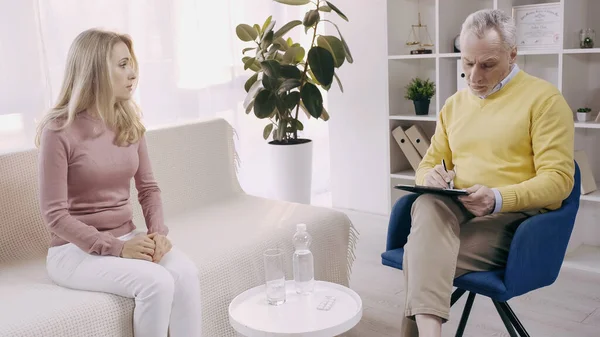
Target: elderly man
[{"x": 508, "y": 139}]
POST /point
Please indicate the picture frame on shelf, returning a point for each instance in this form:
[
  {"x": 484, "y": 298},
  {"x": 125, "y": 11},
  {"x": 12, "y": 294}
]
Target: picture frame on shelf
[{"x": 539, "y": 26}]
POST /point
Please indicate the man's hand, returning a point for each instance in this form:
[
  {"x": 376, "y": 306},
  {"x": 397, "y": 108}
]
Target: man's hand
[
  {"x": 480, "y": 201},
  {"x": 163, "y": 246},
  {"x": 438, "y": 177},
  {"x": 140, "y": 247}
]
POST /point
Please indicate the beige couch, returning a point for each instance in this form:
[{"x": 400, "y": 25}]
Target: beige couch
[{"x": 223, "y": 229}]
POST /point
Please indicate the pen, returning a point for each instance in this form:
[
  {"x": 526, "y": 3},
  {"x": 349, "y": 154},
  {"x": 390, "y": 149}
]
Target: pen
[{"x": 446, "y": 169}]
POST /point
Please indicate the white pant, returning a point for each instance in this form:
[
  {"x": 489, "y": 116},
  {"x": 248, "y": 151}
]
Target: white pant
[{"x": 167, "y": 294}]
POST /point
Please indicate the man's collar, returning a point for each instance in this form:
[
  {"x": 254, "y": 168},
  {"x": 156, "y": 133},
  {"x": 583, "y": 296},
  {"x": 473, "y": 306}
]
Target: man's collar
[{"x": 513, "y": 72}]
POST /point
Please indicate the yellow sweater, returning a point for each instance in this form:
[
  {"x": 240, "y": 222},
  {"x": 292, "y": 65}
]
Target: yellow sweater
[{"x": 519, "y": 140}]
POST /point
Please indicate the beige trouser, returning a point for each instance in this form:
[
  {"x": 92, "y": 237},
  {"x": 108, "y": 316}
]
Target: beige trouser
[{"x": 447, "y": 241}]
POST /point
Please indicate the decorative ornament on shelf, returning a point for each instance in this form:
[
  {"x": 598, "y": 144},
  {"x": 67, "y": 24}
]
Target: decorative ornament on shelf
[
  {"x": 584, "y": 114},
  {"x": 420, "y": 92},
  {"x": 586, "y": 38},
  {"x": 419, "y": 36},
  {"x": 288, "y": 77}
]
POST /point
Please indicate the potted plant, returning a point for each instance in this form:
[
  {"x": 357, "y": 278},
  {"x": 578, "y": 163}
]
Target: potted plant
[
  {"x": 420, "y": 92},
  {"x": 288, "y": 77},
  {"x": 584, "y": 114}
]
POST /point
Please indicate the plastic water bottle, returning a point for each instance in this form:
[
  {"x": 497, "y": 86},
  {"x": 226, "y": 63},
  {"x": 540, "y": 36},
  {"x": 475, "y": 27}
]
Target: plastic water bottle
[{"x": 304, "y": 273}]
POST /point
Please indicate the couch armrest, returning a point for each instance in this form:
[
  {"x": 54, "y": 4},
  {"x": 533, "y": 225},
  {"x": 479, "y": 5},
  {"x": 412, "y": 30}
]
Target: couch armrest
[
  {"x": 537, "y": 251},
  {"x": 400, "y": 220}
]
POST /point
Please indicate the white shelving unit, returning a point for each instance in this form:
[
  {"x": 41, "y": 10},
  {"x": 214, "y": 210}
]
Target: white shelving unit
[{"x": 574, "y": 71}]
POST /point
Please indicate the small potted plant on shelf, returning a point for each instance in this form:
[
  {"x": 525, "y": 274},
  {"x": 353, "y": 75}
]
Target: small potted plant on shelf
[
  {"x": 584, "y": 114},
  {"x": 420, "y": 92}
]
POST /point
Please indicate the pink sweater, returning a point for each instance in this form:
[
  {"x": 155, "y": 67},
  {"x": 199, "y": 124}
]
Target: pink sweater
[{"x": 85, "y": 187}]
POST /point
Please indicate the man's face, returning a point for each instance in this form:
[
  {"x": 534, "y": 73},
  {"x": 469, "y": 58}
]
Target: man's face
[{"x": 485, "y": 61}]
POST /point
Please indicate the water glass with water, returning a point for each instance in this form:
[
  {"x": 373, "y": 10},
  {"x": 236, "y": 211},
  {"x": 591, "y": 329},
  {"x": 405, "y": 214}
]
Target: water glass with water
[{"x": 274, "y": 276}]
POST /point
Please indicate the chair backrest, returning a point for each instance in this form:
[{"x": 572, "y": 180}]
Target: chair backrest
[
  {"x": 194, "y": 164},
  {"x": 571, "y": 203}
]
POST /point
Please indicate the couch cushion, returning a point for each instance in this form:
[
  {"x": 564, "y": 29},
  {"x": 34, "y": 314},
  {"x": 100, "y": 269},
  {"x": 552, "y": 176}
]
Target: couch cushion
[
  {"x": 33, "y": 306},
  {"x": 225, "y": 240}
]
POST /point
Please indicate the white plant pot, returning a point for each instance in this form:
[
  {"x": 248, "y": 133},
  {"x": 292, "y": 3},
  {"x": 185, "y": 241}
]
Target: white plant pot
[
  {"x": 291, "y": 167},
  {"x": 584, "y": 116}
]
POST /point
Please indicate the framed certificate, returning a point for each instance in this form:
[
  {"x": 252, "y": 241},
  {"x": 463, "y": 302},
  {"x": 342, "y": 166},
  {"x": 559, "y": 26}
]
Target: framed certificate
[{"x": 539, "y": 26}]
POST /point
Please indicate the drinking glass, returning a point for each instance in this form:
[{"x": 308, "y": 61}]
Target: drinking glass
[{"x": 274, "y": 276}]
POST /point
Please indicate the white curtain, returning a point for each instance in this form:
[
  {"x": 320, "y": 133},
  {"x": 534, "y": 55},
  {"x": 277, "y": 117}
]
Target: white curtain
[{"x": 190, "y": 67}]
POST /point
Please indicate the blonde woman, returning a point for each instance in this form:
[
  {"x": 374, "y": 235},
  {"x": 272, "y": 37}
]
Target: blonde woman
[{"x": 91, "y": 145}]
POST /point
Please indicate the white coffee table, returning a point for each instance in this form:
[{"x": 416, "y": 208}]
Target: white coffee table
[{"x": 251, "y": 315}]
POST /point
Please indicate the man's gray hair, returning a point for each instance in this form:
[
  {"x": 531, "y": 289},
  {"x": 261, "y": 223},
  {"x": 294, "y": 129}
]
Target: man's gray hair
[{"x": 481, "y": 21}]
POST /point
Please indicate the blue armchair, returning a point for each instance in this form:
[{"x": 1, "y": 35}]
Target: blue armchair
[{"x": 534, "y": 261}]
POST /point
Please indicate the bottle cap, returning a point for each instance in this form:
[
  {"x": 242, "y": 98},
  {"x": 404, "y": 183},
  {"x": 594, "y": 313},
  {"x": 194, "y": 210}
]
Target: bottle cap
[{"x": 301, "y": 227}]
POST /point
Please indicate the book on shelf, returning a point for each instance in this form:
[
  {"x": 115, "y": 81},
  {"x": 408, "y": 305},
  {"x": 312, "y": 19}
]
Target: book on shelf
[{"x": 409, "y": 150}]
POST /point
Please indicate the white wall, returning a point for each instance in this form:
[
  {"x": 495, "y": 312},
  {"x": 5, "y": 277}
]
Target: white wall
[{"x": 358, "y": 125}]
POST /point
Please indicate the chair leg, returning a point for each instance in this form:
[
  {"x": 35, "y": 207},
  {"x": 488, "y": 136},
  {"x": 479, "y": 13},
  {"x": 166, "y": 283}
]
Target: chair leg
[
  {"x": 513, "y": 319},
  {"x": 505, "y": 319},
  {"x": 456, "y": 295},
  {"x": 465, "y": 314}
]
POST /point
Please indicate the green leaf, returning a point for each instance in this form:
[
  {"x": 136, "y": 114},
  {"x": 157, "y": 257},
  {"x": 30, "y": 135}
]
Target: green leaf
[
  {"x": 267, "y": 131},
  {"x": 292, "y": 99},
  {"x": 346, "y": 48},
  {"x": 267, "y": 40},
  {"x": 296, "y": 124},
  {"x": 246, "y": 32},
  {"x": 290, "y": 71},
  {"x": 334, "y": 46},
  {"x": 251, "y": 62},
  {"x": 294, "y": 55},
  {"x": 266, "y": 24},
  {"x": 270, "y": 83},
  {"x": 257, "y": 29},
  {"x": 271, "y": 68},
  {"x": 287, "y": 27},
  {"x": 325, "y": 9},
  {"x": 321, "y": 63},
  {"x": 294, "y": 2},
  {"x": 264, "y": 103},
  {"x": 303, "y": 107},
  {"x": 324, "y": 115},
  {"x": 279, "y": 57},
  {"x": 254, "y": 89},
  {"x": 312, "y": 77},
  {"x": 272, "y": 50},
  {"x": 249, "y": 107},
  {"x": 289, "y": 41},
  {"x": 250, "y": 82},
  {"x": 281, "y": 43},
  {"x": 312, "y": 98},
  {"x": 339, "y": 82},
  {"x": 245, "y": 50},
  {"x": 337, "y": 10},
  {"x": 311, "y": 18},
  {"x": 289, "y": 84}
]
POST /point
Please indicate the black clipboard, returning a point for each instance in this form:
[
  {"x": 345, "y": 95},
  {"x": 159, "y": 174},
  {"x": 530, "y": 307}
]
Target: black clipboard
[{"x": 428, "y": 189}]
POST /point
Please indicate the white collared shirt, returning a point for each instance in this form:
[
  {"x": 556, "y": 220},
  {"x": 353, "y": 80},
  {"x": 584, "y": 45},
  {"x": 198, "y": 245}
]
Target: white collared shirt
[{"x": 513, "y": 72}]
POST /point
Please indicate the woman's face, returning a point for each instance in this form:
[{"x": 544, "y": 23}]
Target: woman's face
[{"x": 121, "y": 72}]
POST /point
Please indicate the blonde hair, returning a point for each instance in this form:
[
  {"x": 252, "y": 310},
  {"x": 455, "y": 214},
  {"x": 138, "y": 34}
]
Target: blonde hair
[{"x": 87, "y": 83}]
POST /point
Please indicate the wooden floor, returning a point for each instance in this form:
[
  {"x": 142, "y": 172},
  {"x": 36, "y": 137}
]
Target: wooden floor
[{"x": 568, "y": 308}]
